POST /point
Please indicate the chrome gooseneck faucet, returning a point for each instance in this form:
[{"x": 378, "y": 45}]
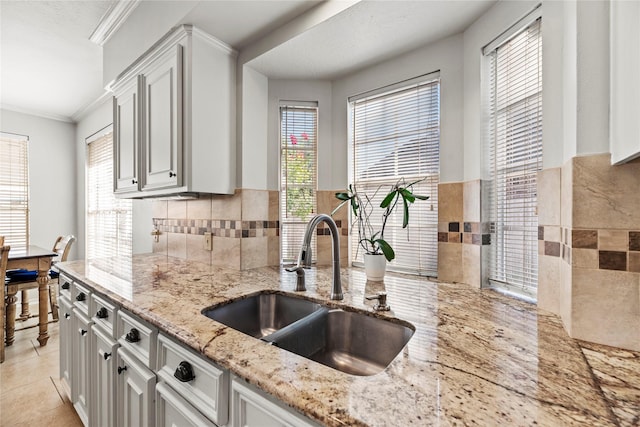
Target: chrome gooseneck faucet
[{"x": 304, "y": 258}]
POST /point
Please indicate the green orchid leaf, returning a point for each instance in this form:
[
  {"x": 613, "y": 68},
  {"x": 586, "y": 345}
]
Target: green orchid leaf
[
  {"x": 407, "y": 195},
  {"x": 354, "y": 206},
  {"x": 388, "y": 252},
  {"x": 420, "y": 197},
  {"x": 387, "y": 200},
  {"x": 343, "y": 196},
  {"x": 405, "y": 217}
]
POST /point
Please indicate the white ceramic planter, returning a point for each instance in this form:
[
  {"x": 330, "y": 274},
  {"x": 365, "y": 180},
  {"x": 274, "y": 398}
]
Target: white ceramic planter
[{"x": 374, "y": 267}]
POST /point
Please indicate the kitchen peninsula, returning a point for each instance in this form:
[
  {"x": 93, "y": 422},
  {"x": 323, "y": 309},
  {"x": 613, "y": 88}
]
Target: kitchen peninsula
[{"x": 476, "y": 357}]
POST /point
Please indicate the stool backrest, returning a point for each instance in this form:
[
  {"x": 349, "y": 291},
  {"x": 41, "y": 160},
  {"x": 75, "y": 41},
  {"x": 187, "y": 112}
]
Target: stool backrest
[{"x": 62, "y": 246}]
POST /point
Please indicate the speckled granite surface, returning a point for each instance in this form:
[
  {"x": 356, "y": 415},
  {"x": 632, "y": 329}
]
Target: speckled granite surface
[{"x": 477, "y": 357}]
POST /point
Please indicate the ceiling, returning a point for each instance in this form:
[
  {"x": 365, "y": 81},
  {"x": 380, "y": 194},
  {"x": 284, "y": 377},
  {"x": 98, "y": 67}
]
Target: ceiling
[{"x": 50, "y": 68}]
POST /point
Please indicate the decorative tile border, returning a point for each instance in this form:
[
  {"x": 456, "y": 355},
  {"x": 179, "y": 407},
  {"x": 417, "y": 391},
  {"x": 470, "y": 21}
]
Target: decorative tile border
[
  {"x": 597, "y": 249},
  {"x": 471, "y": 233},
  {"x": 218, "y": 227}
]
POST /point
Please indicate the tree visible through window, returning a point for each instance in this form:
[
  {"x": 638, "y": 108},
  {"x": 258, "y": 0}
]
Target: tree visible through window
[
  {"x": 14, "y": 189},
  {"x": 298, "y": 176}
]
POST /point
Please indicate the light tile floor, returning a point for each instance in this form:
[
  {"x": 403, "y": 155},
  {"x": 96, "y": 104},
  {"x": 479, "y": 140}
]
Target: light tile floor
[{"x": 30, "y": 390}]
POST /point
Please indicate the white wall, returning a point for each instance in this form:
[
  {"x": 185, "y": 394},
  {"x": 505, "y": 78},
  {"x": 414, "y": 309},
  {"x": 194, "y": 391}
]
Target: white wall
[
  {"x": 302, "y": 90},
  {"x": 52, "y": 176},
  {"x": 253, "y": 161},
  {"x": 91, "y": 123},
  {"x": 444, "y": 55}
]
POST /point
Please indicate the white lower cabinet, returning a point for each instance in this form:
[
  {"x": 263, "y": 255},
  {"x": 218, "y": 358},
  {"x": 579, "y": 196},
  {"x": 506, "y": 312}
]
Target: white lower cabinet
[
  {"x": 135, "y": 385},
  {"x": 103, "y": 385},
  {"x": 173, "y": 410},
  {"x": 81, "y": 365},
  {"x": 66, "y": 347},
  {"x": 253, "y": 408}
]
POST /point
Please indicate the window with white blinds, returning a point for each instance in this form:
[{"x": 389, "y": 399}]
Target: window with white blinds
[
  {"x": 14, "y": 189},
  {"x": 109, "y": 220},
  {"x": 298, "y": 177},
  {"x": 515, "y": 156},
  {"x": 394, "y": 135}
]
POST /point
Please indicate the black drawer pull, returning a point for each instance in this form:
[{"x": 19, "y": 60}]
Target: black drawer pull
[
  {"x": 133, "y": 335},
  {"x": 171, "y": 174},
  {"x": 184, "y": 372},
  {"x": 106, "y": 356},
  {"x": 134, "y": 181},
  {"x": 121, "y": 369},
  {"x": 102, "y": 313},
  {"x": 83, "y": 332},
  {"x": 81, "y": 297},
  {"x": 67, "y": 315},
  {"x": 66, "y": 286}
]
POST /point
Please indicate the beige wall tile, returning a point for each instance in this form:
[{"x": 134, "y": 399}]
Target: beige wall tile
[
  {"x": 195, "y": 249},
  {"x": 227, "y": 207},
  {"x": 274, "y": 206},
  {"x": 584, "y": 258},
  {"x": 200, "y": 208},
  {"x": 613, "y": 240},
  {"x": 177, "y": 245},
  {"x": 566, "y": 295},
  {"x": 177, "y": 209},
  {"x": 606, "y": 307},
  {"x": 273, "y": 252},
  {"x": 255, "y": 205},
  {"x": 471, "y": 201},
  {"x": 159, "y": 208},
  {"x": 449, "y": 262},
  {"x": 324, "y": 255},
  {"x": 566, "y": 195},
  {"x": 450, "y": 206},
  {"x": 160, "y": 247},
  {"x": 552, "y": 234},
  {"x": 634, "y": 262},
  {"x": 226, "y": 252},
  {"x": 606, "y": 196},
  {"x": 549, "y": 284},
  {"x": 471, "y": 265},
  {"x": 254, "y": 253},
  {"x": 549, "y": 202}
]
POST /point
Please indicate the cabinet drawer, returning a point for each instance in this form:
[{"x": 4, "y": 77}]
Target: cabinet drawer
[
  {"x": 173, "y": 410},
  {"x": 104, "y": 315},
  {"x": 208, "y": 390},
  {"x": 138, "y": 337},
  {"x": 65, "y": 286},
  {"x": 80, "y": 297}
]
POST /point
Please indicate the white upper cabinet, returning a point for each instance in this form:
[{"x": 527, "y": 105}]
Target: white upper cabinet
[{"x": 174, "y": 118}]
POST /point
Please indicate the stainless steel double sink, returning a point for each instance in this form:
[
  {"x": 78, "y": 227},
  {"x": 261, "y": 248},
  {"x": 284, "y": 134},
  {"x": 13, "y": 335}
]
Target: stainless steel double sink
[{"x": 352, "y": 342}]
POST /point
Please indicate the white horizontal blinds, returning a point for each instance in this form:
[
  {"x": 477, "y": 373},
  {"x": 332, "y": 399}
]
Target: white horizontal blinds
[
  {"x": 397, "y": 135},
  {"x": 515, "y": 133},
  {"x": 109, "y": 220},
  {"x": 14, "y": 189},
  {"x": 298, "y": 177}
]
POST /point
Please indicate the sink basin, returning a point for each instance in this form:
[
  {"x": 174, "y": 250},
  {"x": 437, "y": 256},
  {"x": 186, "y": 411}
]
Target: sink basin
[
  {"x": 350, "y": 342},
  {"x": 263, "y": 314}
]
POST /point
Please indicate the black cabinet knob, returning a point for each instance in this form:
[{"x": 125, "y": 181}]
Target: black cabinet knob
[
  {"x": 81, "y": 297},
  {"x": 171, "y": 174},
  {"x": 106, "y": 356},
  {"x": 184, "y": 372},
  {"x": 102, "y": 313},
  {"x": 134, "y": 181},
  {"x": 67, "y": 315},
  {"x": 133, "y": 335},
  {"x": 121, "y": 369},
  {"x": 66, "y": 286},
  {"x": 83, "y": 332}
]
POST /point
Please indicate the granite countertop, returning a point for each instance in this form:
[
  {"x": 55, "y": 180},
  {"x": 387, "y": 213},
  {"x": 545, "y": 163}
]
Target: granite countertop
[{"x": 477, "y": 357}]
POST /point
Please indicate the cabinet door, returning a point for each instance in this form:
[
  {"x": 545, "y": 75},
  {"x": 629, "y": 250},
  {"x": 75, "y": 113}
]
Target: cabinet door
[
  {"x": 126, "y": 139},
  {"x": 134, "y": 392},
  {"x": 66, "y": 328},
  {"x": 163, "y": 122},
  {"x": 103, "y": 381},
  {"x": 173, "y": 410},
  {"x": 252, "y": 408},
  {"x": 81, "y": 366}
]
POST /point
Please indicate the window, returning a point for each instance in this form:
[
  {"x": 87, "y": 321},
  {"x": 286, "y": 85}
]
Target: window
[
  {"x": 109, "y": 220},
  {"x": 298, "y": 176},
  {"x": 395, "y": 133},
  {"x": 14, "y": 189},
  {"x": 515, "y": 157}
]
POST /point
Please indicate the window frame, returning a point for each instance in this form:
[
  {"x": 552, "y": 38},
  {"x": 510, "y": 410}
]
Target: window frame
[{"x": 12, "y": 238}]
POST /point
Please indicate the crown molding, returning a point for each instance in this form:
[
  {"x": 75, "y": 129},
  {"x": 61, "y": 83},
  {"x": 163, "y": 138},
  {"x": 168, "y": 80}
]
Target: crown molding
[
  {"x": 51, "y": 116},
  {"x": 88, "y": 108},
  {"x": 112, "y": 20}
]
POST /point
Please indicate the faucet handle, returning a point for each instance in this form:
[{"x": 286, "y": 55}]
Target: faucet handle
[
  {"x": 299, "y": 270},
  {"x": 382, "y": 301}
]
